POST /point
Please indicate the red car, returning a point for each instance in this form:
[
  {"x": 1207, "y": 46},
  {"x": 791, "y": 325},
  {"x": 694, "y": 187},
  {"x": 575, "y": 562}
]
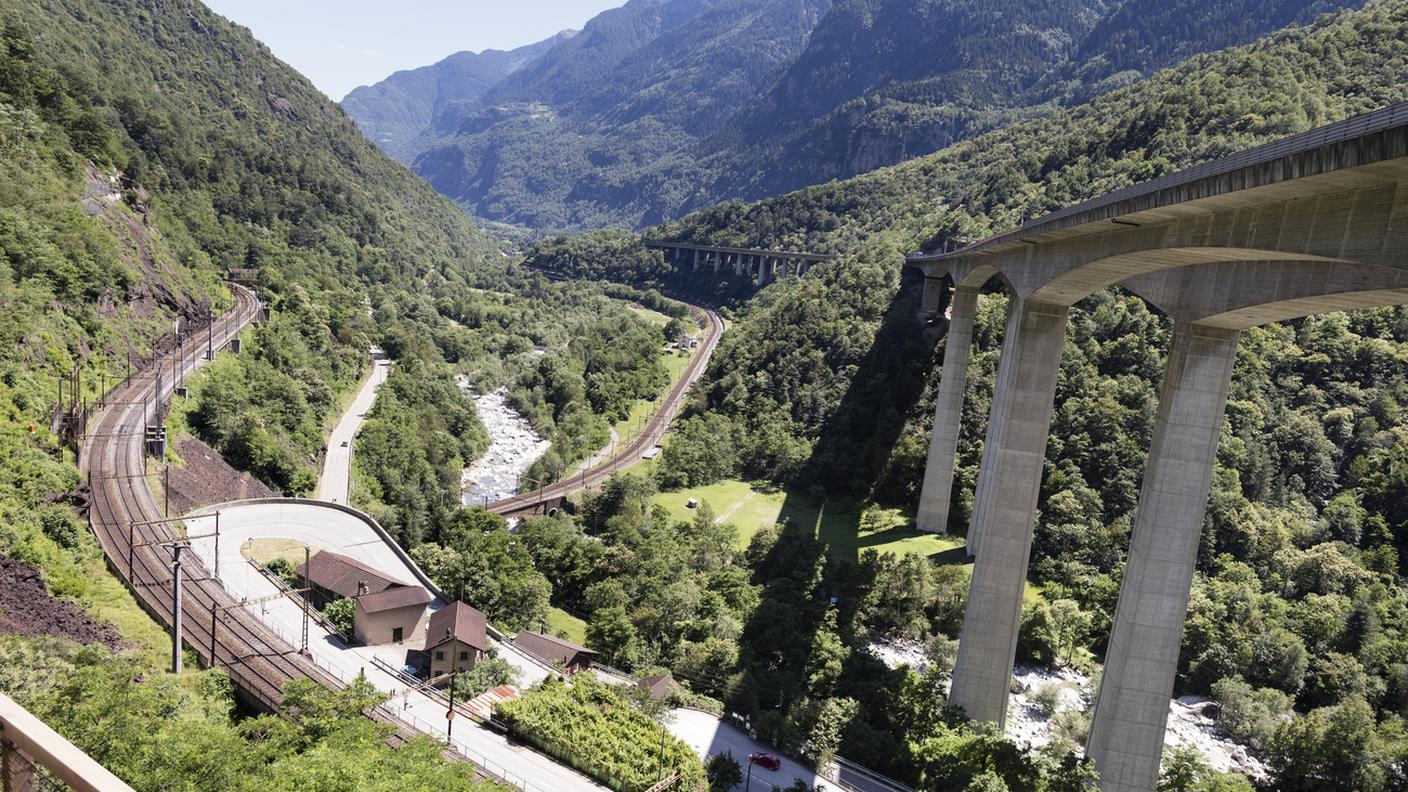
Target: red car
[{"x": 766, "y": 760}]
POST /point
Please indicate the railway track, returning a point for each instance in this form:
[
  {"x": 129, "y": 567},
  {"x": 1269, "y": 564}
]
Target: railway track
[
  {"x": 122, "y": 509},
  {"x": 128, "y": 523},
  {"x": 549, "y": 496}
]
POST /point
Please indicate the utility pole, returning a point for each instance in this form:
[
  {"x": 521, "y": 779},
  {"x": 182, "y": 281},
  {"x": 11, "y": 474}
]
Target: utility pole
[
  {"x": 210, "y": 333},
  {"x": 176, "y": 610},
  {"x": 450, "y": 713},
  {"x": 307, "y": 572},
  {"x": 660, "y": 763}
]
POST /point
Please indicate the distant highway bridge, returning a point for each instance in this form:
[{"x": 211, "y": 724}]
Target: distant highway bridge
[
  {"x": 761, "y": 265},
  {"x": 1314, "y": 223}
]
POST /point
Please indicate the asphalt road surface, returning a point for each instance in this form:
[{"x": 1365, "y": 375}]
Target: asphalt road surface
[{"x": 337, "y": 467}]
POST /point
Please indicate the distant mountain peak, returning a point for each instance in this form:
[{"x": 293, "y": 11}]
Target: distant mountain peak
[{"x": 395, "y": 112}]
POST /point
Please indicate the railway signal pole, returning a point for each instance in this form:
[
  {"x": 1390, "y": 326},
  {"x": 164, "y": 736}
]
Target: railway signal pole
[
  {"x": 176, "y": 609},
  {"x": 450, "y": 713}
]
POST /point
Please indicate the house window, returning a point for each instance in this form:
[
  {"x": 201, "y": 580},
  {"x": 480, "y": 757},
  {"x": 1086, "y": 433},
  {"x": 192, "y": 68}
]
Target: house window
[
  {"x": 396, "y": 634},
  {"x": 464, "y": 655},
  {"x": 439, "y": 655}
]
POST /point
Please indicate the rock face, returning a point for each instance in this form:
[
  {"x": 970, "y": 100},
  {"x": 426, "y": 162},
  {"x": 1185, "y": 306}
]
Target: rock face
[
  {"x": 206, "y": 479},
  {"x": 514, "y": 447}
]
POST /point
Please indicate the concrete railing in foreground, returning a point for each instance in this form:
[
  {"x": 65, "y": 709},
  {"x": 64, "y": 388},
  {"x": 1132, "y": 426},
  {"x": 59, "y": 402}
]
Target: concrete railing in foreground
[{"x": 27, "y": 744}]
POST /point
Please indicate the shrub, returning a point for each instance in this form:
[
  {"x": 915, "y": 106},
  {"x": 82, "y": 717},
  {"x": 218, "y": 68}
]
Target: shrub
[{"x": 342, "y": 613}]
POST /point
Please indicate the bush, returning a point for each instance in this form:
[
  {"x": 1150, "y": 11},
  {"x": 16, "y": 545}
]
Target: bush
[
  {"x": 1246, "y": 715},
  {"x": 342, "y": 612}
]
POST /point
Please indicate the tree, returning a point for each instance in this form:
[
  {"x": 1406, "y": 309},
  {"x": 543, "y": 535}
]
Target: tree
[
  {"x": 1185, "y": 770},
  {"x": 488, "y": 673},
  {"x": 612, "y": 633},
  {"x": 723, "y": 771}
]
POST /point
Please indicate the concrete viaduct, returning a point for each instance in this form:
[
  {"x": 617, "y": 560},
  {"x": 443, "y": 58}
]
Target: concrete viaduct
[
  {"x": 1314, "y": 223},
  {"x": 764, "y": 265}
]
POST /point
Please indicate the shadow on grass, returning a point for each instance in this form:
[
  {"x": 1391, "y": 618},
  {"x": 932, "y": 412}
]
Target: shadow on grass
[{"x": 798, "y": 654}]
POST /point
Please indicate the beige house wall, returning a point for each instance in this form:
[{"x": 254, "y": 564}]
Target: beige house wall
[
  {"x": 446, "y": 658},
  {"x": 374, "y": 629}
]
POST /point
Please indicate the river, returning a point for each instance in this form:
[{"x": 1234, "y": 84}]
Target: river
[{"x": 514, "y": 447}]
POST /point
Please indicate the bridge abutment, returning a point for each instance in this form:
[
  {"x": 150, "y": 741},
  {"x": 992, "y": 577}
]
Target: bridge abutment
[
  {"x": 937, "y": 492},
  {"x": 1005, "y": 507},
  {"x": 1131, "y": 712}
]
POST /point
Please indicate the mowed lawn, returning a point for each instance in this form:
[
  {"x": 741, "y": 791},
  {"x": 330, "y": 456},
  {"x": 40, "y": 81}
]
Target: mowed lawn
[
  {"x": 560, "y": 622},
  {"x": 752, "y": 505}
]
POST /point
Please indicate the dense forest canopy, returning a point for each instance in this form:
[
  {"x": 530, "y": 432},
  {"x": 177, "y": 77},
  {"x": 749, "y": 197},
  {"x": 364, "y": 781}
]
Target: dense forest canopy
[{"x": 827, "y": 382}]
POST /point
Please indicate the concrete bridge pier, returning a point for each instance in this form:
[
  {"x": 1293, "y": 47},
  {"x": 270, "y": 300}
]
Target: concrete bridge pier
[
  {"x": 737, "y": 263},
  {"x": 1005, "y": 506},
  {"x": 1131, "y": 713},
  {"x": 762, "y": 270},
  {"x": 937, "y": 491},
  {"x": 696, "y": 259}
]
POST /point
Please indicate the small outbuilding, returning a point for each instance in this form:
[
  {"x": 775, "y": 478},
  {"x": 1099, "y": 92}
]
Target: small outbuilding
[
  {"x": 456, "y": 640},
  {"x": 388, "y": 611},
  {"x": 555, "y": 651},
  {"x": 659, "y": 686},
  {"x": 393, "y": 616}
]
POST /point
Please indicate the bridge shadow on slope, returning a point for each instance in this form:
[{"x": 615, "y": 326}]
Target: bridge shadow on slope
[{"x": 792, "y": 655}]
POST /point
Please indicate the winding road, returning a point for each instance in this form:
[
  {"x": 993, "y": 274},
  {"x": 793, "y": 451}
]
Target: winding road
[
  {"x": 334, "y": 485},
  {"x": 551, "y": 495}
]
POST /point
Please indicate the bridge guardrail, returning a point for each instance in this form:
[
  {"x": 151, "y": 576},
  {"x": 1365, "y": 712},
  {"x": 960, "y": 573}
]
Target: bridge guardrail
[{"x": 27, "y": 743}]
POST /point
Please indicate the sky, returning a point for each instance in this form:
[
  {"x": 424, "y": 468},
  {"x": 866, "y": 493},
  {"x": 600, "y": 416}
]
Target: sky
[{"x": 341, "y": 44}]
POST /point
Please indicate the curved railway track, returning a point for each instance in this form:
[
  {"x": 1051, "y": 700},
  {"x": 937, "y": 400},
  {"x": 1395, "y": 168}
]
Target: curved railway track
[
  {"x": 121, "y": 502},
  {"x": 528, "y": 502}
]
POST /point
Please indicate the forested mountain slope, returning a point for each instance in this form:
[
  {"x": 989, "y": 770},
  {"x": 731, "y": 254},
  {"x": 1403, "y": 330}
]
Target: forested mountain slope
[
  {"x": 665, "y": 106},
  {"x": 826, "y": 383},
  {"x": 146, "y": 149},
  {"x": 565, "y": 142},
  {"x": 395, "y": 111},
  {"x": 882, "y": 82}
]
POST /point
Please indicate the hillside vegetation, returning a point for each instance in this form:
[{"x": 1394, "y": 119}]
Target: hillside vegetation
[
  {"x": 150, "y": 149},
  {"x": 825, "y": 384}
]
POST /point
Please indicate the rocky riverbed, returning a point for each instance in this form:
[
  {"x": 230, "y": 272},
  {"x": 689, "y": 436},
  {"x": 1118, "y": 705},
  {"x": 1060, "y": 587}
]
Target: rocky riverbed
[
  {"x": 1040, "y": 696},
  {"x": 514, "y": 448}
]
